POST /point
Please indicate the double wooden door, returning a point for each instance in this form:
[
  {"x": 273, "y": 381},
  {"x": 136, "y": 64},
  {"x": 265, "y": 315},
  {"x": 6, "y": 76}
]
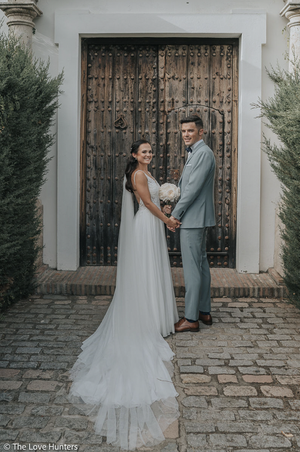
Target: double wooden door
[{"x": 135, "y": 89}]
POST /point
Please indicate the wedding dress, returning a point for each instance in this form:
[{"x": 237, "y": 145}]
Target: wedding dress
[{"x": 121, "y": 378}]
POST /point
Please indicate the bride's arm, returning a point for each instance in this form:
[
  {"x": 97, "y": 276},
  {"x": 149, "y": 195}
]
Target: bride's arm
[{"x": 141, "y": 186}]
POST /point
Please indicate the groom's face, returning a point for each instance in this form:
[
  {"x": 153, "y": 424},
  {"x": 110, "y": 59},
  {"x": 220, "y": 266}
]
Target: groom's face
[{"x": 190, "y": 133}]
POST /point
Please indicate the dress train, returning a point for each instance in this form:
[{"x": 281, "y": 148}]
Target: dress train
[{"x": 121, "y": 378}]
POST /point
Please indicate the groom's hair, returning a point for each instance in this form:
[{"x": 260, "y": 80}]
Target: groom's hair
[{"x": 193, "y": 118}]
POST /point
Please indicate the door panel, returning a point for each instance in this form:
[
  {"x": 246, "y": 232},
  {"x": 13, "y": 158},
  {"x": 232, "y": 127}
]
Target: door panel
[{"x": 141, "y": 89}]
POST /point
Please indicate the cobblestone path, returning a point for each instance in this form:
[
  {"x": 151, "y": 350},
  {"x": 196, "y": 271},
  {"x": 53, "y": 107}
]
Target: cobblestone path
[{"x": 238, "y": 381}]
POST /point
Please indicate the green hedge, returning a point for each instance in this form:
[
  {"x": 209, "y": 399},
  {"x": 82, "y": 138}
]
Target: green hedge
[
  {"x": 28, "y": 103},
  {"x": 283, "y": 114}
]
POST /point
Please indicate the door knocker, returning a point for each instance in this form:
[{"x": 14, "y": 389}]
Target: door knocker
[{"x": 120, "y": 122}]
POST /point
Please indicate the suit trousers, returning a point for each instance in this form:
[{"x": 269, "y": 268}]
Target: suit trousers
[{"x": 196, "y": 272}]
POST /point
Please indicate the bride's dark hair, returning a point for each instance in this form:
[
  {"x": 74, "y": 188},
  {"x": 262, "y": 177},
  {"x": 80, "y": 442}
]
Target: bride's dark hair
[{"x": 132, "y": 163}]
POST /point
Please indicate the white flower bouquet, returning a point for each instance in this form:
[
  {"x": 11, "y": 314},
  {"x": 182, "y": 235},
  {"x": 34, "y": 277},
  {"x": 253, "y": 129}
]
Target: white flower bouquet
[{"x": 168, "y": 195}]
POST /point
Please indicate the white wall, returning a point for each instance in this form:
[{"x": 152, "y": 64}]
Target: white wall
[
  {"x": 44, "y": 49},
  {"x": 258, "y": 195},
  {"x": 4, "y": 28},
  {"x": 274, "y": 52}
]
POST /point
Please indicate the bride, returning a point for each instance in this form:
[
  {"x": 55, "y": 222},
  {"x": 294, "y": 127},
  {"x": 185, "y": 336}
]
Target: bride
[{"x": 120, "y": 378}]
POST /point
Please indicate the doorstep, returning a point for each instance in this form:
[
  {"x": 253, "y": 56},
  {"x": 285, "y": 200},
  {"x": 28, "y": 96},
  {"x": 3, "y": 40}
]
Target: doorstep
[{"x": 226, "y": 282}]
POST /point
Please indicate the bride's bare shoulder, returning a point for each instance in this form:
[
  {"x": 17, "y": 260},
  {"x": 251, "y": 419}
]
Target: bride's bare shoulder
[{"x": 138, "y": 175}]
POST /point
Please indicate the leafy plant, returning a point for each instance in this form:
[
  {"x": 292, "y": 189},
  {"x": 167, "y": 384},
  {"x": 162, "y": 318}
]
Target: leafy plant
[
  {"x": 283, "y": 114},
  {"x": 28, "y": 103}
]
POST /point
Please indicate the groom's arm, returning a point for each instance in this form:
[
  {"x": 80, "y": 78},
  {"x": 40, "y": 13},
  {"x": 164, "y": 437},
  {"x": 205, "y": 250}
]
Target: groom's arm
[{"x": 197, "y": 179}]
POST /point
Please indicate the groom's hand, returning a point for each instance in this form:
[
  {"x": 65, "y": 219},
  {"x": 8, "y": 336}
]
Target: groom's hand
[
  {"x": 177, "y": 221},
  {"x": 177, "y": 224}
]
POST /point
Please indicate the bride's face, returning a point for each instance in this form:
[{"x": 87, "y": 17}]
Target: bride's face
[{"x": 144, "y": 154}]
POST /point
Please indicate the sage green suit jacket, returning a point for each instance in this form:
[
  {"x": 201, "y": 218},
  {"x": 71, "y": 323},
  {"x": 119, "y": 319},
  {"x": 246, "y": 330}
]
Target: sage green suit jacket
[{"x": 195, "y": 208}]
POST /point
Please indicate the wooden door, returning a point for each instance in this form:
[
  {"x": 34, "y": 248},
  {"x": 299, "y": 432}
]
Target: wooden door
[{"x": 141, "y": 89}]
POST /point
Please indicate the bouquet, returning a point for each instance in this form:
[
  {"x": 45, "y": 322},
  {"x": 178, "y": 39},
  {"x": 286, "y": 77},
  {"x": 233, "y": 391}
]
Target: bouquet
[{"x": 168, "y": 195}]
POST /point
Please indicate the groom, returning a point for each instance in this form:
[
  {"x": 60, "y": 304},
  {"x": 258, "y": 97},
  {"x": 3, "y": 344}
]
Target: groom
[{"x": 195, "y": 210}]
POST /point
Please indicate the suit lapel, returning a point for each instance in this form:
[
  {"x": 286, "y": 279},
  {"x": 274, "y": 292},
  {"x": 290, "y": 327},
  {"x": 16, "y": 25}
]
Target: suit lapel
[{"x": 198, "y": 147}]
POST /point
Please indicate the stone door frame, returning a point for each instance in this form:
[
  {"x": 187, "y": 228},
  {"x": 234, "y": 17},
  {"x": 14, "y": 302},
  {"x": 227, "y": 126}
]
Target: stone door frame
[{"x": 71, "y": 26}]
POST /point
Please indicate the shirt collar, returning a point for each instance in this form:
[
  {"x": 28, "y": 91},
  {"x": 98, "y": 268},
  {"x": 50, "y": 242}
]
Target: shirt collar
[{"x": 193, "y": 147}]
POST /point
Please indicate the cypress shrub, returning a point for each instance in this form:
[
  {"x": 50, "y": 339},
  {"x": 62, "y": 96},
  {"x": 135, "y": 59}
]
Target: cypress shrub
[
  {"x": 28, "y": 103},
  {"x": 283, "y": 114}
]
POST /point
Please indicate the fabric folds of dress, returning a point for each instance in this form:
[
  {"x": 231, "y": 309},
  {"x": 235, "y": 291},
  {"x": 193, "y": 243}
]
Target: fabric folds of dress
[{"x": 121, "y": 378}]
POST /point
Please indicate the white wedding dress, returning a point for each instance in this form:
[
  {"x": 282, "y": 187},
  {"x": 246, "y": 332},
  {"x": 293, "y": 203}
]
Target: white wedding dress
[{"x": 121, "y": 379}]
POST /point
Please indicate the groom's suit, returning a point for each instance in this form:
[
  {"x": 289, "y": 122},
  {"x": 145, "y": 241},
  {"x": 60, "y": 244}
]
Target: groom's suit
[{"x": 195, "y": 210}]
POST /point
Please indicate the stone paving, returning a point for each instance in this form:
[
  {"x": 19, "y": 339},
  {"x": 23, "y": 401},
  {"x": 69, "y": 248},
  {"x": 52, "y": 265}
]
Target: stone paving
[{"x": 238, "y": 380}]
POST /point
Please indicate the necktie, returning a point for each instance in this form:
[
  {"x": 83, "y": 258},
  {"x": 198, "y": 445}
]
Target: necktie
[{"x": 189, "y": 151}]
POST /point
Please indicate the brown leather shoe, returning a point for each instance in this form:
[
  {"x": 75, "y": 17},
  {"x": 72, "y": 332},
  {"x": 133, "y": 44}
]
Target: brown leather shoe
[
  {"x": 205, "y": 318},
  {"x": 184, "y": 325}
]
